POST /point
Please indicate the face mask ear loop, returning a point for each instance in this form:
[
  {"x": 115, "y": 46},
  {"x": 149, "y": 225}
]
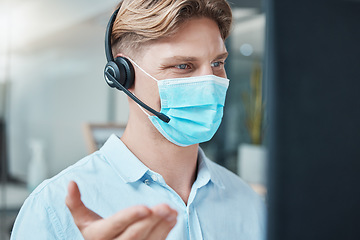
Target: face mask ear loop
[
  {"x": 141, "y": 69},
  {"x": 146, "y": 74}
]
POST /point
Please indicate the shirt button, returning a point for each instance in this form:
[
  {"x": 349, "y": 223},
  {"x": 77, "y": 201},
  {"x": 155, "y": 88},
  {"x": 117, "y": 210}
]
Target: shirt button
[
  {"x": 147, "y": 181},
  {"x": 154, "y": 177}
]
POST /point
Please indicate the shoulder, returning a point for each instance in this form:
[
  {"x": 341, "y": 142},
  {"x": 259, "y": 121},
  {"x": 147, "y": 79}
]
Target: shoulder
[
  {"x": 232, "y": 183},
  {"x": 82, "y": 169},
  {"x": 45, "y": 209},
  {"x": 237, "y": 198}
]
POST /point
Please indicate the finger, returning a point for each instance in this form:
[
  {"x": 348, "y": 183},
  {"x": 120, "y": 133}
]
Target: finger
[
  {"x": 162, "y": 230},
  {"x": 115, "y": 225},
  {"x": 81, "y": 214},
  {"x": 142, "y": 229}
]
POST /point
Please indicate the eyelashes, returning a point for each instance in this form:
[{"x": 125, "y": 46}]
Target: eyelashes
[
  {"x": 187, "y": 66},
  {"x": 218, "y": 64},
  {"x": 183, "y": 66}
]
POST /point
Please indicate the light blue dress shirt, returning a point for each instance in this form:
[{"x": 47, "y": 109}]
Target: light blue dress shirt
[{"x": 220, "y": 205}]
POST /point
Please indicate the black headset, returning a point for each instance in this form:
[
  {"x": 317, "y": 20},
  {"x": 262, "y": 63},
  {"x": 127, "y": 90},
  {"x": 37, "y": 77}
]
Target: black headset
[{"x": 119, "y": 72}]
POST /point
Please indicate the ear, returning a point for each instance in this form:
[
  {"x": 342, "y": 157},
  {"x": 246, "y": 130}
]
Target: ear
[{"x": 121, "y": 55}]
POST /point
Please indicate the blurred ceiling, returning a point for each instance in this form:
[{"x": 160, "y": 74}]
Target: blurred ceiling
[
  {"x": 32, "y": 21},
  {"x": 247, "y": 3}
]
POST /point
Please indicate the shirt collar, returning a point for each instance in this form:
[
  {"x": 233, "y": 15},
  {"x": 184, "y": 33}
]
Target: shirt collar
[
  {"x": 207, "y": 171},
  {"x": 131, "y": 169},
  {"x": 125, "y": 163}
]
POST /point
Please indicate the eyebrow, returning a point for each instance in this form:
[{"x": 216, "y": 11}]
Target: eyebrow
[
  {"x": 186, "y": 58},
  {"x": 221, "y": 56}
]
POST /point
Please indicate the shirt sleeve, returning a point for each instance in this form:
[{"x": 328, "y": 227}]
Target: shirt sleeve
[{"x": 37, "y": 220}]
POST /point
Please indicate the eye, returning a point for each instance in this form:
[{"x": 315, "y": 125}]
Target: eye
[
  {"x": 217, "y": 64},
  {"x": 183, "y": 66}
]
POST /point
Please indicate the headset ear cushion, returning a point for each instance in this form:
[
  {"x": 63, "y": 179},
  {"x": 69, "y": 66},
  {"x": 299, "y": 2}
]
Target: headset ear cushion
[
  {"x": 113, "y": 69},
  {"x": 127, "y": 73}
]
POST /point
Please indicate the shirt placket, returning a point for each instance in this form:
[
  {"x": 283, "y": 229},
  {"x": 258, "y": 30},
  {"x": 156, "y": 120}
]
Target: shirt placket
[
  {"x": 193, "y": 221},
  {"x": 189, "y": 211}
]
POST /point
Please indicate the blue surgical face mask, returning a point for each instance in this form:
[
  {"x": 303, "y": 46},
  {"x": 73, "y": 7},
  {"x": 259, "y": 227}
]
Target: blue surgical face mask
[{"x": 194, "y": 105}]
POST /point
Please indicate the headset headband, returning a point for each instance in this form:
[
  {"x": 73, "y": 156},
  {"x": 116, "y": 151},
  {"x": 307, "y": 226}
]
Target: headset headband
[{"x": 108, "y": 50}]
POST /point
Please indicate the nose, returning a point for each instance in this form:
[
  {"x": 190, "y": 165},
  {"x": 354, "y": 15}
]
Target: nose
[{"x": 206, "y": 69}]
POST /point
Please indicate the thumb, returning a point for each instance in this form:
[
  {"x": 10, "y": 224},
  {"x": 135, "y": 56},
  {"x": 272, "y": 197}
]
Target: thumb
[{"x": 81, "y": 214}]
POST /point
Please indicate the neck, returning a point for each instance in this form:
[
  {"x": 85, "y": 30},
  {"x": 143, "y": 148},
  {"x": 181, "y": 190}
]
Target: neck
[{"x": 177, "y": 165}]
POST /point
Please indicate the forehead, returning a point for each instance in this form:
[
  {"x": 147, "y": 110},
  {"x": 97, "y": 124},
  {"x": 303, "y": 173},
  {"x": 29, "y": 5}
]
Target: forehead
[{"x": 198, "y": 38}]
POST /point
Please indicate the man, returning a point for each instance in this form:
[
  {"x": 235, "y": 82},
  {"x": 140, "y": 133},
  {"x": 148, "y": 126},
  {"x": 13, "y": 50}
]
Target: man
[{"x": 155, "y": 182}]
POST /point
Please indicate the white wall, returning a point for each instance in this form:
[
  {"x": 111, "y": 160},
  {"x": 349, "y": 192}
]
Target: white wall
[{"x": 57, "y": 85}]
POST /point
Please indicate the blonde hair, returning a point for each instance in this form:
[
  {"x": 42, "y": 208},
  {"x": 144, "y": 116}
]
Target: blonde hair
[{"x": 142, "y": 21}]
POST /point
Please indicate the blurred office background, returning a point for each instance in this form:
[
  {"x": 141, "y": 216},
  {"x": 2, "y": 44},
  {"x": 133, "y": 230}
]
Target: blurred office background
[{"x": 51, "y": 85}]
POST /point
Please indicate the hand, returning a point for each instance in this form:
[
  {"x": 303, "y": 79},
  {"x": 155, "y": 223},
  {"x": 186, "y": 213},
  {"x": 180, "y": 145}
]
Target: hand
[{"x": 138, "y": 222}]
